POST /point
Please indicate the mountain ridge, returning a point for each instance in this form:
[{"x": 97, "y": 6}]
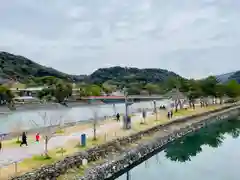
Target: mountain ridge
[{"x": 20, "y": 68}]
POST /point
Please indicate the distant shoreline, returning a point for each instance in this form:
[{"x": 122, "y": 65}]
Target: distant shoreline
[{"x": 48, "y": 106}]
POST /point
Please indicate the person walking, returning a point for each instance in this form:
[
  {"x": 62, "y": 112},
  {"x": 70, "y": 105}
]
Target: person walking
[
  {"x": 144, "y": 116},
  {"x": 171, "y": 114},
  {"x": 24, "y": 139},
  {"x": 37, "y": 137},
  {"x": 118, "y": 117},
  {"x": 168, "y": 115},
  {"x": 0, "y": 144}
]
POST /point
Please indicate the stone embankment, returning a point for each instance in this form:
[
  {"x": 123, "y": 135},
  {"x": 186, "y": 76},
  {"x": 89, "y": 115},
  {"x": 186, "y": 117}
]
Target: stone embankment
[{"x": 110, "y": 169}]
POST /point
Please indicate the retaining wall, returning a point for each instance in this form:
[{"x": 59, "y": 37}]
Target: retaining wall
[
  {"x": 134, "y": 156},
  {"x": 51, "y": 172}
]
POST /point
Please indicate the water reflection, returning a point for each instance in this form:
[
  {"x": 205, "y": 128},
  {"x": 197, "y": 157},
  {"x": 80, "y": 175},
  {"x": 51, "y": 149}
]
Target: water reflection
[
  {"x": 177, "y": 162},
  {"x": 189, "y": 146}
]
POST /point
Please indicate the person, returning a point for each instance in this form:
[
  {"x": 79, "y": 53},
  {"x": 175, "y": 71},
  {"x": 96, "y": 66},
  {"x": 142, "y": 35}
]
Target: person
[
  {"x": 168, "y": 114},
  {"x": 24, "y": 139},
  {"x": 118, "y": 117},
  {"x": 171, "y": 114},
  {"x": 0, "y": 144},
  {"x": 37, "y": 137}
]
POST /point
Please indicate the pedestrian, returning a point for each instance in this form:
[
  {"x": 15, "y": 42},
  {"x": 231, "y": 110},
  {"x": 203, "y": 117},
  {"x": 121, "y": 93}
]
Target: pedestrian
[
  {"x": 24, "y": 139},
  {"x": 37, "y": 137},
  {"x": 143, "y": 116},
  {"x": 0, "y": 143},
  {"x": 171, "y": 114},
  {"x": 168, "y": 114},
  {"x": 118, "y": 117}
]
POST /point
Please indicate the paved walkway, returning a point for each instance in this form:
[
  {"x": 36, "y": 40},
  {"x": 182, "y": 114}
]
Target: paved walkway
[{"x": 9, "y": 156}]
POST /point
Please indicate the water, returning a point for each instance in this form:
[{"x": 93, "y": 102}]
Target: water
[
  {"x": 23, "y": 120},
  {"x": 210, "y": 154}
]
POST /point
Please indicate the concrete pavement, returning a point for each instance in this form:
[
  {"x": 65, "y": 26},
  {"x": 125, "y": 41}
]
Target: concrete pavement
[{"x": 17, "y": 154}]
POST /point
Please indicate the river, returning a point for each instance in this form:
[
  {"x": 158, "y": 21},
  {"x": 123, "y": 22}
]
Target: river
[
  {"x": 210, "y": 154},
  {"x": 23, "y": 120}
]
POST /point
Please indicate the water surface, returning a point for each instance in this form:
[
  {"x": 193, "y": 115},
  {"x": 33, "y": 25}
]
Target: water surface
[
  {"x": 212, "y": 153},
  {"x": 8, "y": 122}
]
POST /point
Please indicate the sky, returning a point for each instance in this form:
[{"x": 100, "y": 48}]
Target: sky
[{"x": 194, "y": 38}]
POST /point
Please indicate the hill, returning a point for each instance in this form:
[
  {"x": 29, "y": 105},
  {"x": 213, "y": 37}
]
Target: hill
[
  {"x": 130, "y": 75},
  {"x": 223, "y": 78},
  {"x": 19, "y": 68},
  {"x": 235, "y": 76}
]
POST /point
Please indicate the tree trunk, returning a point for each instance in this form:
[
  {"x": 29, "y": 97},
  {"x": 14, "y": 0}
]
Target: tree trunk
[
  {"x": 46, "y": 146},
  {"x": 221, "y": 100},
  {"x": 94, "y": 131},
  {"x": 176, "y": 105}
]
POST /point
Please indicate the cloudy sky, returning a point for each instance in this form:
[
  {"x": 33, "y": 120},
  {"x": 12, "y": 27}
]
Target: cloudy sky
[{"x": 194, "y": 38}]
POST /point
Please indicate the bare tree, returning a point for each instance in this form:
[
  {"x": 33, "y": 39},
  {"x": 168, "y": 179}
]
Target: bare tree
[
  {"x": 17, "y": 127},
  {"x": 94, "y": 109},
  {"x": 95, "y": 119},
  {"x": 50, "y": 123}
]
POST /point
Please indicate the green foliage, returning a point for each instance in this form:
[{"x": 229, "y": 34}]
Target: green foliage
[
  {"x": 5, "y": 95},
  {"x": 124, "y": 76},
  {"x": 136, "y": 81},
  {"x": 22, "y": 69},
  {"x": 59, "y": 91},
  {"x": 233, "y": 89},
  {"x": 153, "y": 88}
]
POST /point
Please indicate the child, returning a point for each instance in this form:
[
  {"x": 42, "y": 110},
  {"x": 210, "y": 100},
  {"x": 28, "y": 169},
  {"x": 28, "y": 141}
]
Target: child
[{"x": 37, "y": 137}]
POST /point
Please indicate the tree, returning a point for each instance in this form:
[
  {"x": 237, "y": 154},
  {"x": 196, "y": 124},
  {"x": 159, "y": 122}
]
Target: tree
[
  {"x": 45, "y": 92},
  {"x": 6, "y": 96},
  {"x": 233, "y": 89},
  {"x": 17, "y": 128},
  {"x": 95, "y": 118},
  {"x": 209, "y": 85},
  {"x": 62, "y": 92},
  {"x": 152, "y": 88},
  {"x": 108, "y": 88},
  {"x": 50, "y": 122},
  {"x": 220, "y": 91},
  {"x": 93, "y": 90},
  {"x": 194, "y": 92}
]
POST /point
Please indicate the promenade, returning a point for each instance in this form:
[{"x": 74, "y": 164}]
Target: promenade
[{"x": 17, "y": 154}]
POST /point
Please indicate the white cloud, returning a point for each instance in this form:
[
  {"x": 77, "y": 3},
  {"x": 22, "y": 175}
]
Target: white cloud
[{"x": 193, "y": 38}]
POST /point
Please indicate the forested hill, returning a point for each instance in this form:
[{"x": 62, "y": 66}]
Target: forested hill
[
  {"x": 130, "y": 75},
  {"x": 19, "y": 68},
  {"x": 236, "y": 76},
  {"x": 223, "y": 78}
]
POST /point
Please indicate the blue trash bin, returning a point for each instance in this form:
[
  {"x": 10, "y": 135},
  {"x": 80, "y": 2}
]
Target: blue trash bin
[{"x": 83, "y": 140}]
